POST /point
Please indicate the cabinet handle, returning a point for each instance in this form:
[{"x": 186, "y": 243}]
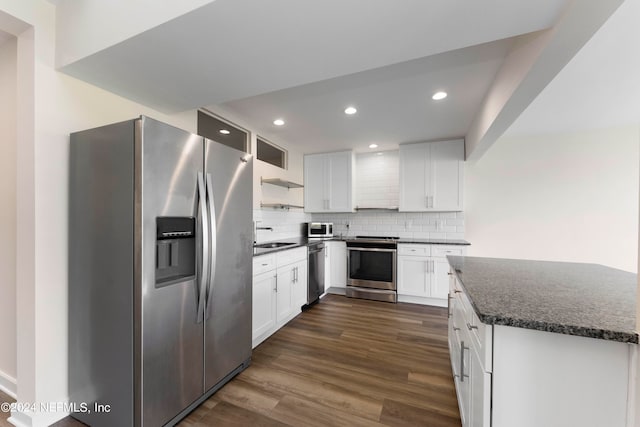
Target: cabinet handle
[
  {"x": 426, "y": 201},
  {"x": 455, "y": 328},
  {"x": 462, "y": 349},
  {"x": 449, "y": 306},
  {"x": 296, "y": 274},
  {"x": 433, "y": 266},
  {"x": 449, "y": 273},
  {"x": 470, "y": 326},
  {"x": 457, "y": 291},
  {"x": 264, "y": 265},
  {"x": 276, "y": 288}
]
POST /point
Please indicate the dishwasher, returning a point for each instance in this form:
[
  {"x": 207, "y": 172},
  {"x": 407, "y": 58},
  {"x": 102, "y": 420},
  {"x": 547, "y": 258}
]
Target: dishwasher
[{"x": 316, "y": 272}]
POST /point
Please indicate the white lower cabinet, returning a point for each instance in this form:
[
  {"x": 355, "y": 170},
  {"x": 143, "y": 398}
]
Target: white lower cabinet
[
  {"x": 264, "y": 303},
  {"x": 422, "y": 273},
  {"x": 335, "y": 271},
  {"x": 299, "y": 293},
  {"x": 338, "y": 262},
  {"x": 414, "y": 278},
  {"x": 279, "y": 292},
  {"x": 506, "y": 376}
]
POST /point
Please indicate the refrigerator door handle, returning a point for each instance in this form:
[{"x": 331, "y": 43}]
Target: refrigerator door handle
[
  {"x": 202, "y": 203},
  {"x": 213, "y": 247}
]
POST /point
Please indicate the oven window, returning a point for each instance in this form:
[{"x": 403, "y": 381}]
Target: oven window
[{"x": 371, "y": 265}]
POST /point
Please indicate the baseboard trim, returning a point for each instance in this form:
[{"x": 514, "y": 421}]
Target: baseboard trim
[
  {"x": 335, "y": 291},
  {"x": 422, "y": 300},
  {"x": 8, "y": 384},
  {"x": 36, "y": 419}
]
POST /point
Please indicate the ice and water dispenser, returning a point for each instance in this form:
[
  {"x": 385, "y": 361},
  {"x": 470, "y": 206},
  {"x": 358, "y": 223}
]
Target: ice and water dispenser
[{"x": 175, "y": 249}]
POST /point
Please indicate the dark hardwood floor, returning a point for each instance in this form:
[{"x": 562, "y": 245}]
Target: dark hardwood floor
[
  {"x": 5, "y": 398},
  {"x": 344, "y": 362}
]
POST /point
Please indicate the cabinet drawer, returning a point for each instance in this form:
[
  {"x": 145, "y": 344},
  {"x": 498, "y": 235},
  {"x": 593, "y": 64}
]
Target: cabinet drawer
[
  {"x": 480, "y": 334},
  {"x": 291, "y": 255},
  {"x": 443, "y": 251},
  {"x": 454, "y": 285},
  {"x": 264, "y": 263},
  {"x": 416, "y": 250}
]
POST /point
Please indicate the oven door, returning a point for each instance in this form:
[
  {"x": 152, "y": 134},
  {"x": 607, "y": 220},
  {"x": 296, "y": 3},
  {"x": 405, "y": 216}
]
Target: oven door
[{"x": 371, "y": 268}]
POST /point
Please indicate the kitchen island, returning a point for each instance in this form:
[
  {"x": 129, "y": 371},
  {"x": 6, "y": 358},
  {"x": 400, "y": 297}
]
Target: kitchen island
[{"x": 542, "y": 343}]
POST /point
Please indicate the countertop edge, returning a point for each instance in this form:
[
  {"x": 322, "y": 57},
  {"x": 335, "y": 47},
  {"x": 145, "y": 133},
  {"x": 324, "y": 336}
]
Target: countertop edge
[
  {"x": 581, "y": 331},
  {"x": 302, "y": 241}
]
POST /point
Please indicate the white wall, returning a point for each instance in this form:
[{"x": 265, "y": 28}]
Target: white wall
[
  {"x": 58, "y": 105},
  {"x": 8, "y": 368},
  {"x": 105, "y": 23},
  {"x": 564, "y": 197}
]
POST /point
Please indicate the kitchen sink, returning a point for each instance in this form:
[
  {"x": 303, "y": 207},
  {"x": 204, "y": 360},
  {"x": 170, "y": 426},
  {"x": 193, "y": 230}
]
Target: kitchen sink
[{"x": 273, "y": 245}]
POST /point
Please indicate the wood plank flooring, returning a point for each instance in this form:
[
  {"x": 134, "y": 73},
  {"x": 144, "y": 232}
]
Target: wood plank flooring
[
  {"x": 343, "y": 362},
  {"x": 5, "y": 398}
]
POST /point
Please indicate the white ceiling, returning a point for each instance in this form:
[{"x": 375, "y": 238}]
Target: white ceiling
[
  {"x": 394, "y": 103},
  {"x": 598, "y": 88},
  {"x": 234, "y": 49}
]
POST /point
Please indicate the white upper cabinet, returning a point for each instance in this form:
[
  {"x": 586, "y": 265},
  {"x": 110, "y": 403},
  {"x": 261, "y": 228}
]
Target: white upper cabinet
[
  {"x": 431, "y": 176},
  {"x": 328, "y": 182}
]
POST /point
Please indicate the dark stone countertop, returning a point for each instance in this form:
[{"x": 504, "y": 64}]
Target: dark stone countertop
[
  {"x": 587, "y": 300},
  {"x": 304, "y": 241},
  {"x": 436, "y": 241}
]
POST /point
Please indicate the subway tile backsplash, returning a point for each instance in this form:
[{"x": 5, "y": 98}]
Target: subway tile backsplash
[
  {"x": 285, "y": 224},
  {"x": 410, "y": 225}
]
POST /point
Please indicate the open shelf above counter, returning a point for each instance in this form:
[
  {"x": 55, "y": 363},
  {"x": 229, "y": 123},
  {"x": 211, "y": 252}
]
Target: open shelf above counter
[{"x": 280, "y": 183}]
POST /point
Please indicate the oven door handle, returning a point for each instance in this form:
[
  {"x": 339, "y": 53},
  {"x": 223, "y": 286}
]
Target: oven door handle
[{"x": 371, "y": 249}]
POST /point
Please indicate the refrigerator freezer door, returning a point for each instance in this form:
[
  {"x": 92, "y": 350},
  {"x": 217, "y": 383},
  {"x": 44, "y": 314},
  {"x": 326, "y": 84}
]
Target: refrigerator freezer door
[
  {"x": 228, "y": 313},
  {"x": 169, "y": 357}
]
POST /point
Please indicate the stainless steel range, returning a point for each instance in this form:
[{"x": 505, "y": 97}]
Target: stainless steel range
[{"x": 371, "y": 268}]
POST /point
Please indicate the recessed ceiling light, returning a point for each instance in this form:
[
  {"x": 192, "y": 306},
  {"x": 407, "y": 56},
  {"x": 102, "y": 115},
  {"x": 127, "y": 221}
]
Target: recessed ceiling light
[
  {"x": 224, "y": 131},
  {"x": 373, "y": 145},
  {"x": 278, "y": 122},
  {"x": 379, "y": 154},
  {"x": 350, "y": 110},
  {"x": 439, "y": 95}
]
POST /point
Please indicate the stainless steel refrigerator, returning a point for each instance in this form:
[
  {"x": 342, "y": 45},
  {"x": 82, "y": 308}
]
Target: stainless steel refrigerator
[{"x": 160, "y": 247}]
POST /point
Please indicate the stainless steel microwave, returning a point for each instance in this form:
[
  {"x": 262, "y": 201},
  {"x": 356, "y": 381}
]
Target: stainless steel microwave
[{"x": 319, "y": 229}]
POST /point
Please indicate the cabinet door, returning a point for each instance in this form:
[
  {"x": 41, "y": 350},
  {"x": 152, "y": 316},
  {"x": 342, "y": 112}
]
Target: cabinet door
[
  {"x": 447, "y": 164},
  {"x": 440, "y": 278},
  {"x": 299, "y": 285},
  {"x": 315, "y": 197},
  {"x": 284, "y": 297},
  {"x": 414, "y": 177},
  {"x": 338, "y": 261},
  {"x": 413, "y": 276},
  {"x": 264, "y": 304},
  {"x": 480, "y": 391},
  {"x": 464, "y": 383},
  {"x": 339, "y": 179}
]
